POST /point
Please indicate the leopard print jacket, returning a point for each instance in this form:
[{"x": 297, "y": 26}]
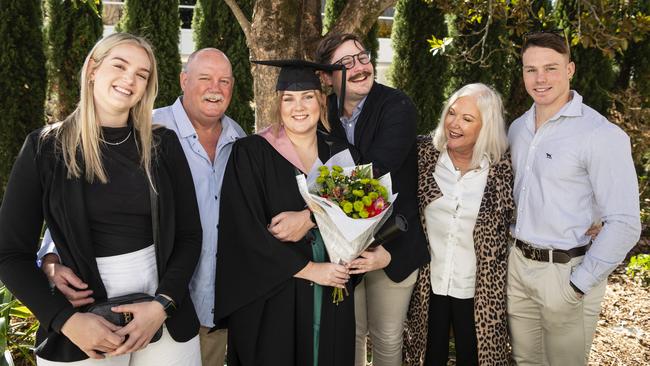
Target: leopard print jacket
[{"x": 491, "y": 238}]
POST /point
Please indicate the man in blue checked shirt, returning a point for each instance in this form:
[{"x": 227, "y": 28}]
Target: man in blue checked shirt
[
  {"x": 206, "y": 135},
  {"x": 572, "y": 168}
]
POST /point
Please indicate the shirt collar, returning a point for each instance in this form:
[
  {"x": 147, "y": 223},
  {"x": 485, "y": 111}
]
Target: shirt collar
[
  {"x": 186, "y": 129},
  {"x": 357, "y": 110},
  {"x": 445, "y": 160},
  {"x": 229, "y": 131},
  {"x": 571, "y": 109}
]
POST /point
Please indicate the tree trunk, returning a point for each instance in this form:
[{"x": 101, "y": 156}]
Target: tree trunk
[{"x": 282, "y": 29}]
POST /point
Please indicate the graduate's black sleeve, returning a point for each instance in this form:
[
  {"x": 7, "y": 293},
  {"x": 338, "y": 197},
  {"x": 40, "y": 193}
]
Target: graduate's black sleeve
[
  {"x": 251, "y": 263},
  {"x": 21, "y": 220}
]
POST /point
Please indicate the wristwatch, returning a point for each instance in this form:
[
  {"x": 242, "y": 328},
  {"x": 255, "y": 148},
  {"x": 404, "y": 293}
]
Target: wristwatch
[{"x": 168, "y": 304}]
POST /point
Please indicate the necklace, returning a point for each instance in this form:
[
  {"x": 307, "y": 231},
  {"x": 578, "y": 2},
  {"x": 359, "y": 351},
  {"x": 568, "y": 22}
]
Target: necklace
[{"x": 117, "y": 143}]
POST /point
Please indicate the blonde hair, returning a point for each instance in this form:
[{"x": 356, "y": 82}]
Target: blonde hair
[
  {"x": 492, "y": 141},
  {"x": 275, "y": 110},
  {"x": 80, "y": 132}
]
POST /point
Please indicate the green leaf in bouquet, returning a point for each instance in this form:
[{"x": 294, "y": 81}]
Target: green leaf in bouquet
[{"x": 364, "y": 172}]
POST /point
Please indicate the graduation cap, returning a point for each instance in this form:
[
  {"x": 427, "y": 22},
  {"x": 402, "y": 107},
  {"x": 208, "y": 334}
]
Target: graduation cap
[{"x": 299, "y": 75}]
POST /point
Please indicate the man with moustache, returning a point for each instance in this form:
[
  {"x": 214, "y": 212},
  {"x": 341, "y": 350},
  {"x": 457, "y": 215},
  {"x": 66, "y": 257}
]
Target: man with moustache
[
  {"x": 381, "y": 123},
  {"x": 572, "y": 167},
  {"x": 206, "y": 135}
]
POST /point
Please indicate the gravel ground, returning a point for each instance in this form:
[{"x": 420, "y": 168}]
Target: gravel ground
[{"x": 623, "y": 334}]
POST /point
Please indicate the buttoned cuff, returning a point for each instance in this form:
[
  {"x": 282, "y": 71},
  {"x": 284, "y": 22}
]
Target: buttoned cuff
[{"x": 583, "y": 279}]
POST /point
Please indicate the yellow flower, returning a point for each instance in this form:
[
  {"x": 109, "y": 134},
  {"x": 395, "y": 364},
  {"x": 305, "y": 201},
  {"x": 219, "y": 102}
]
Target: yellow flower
[{"x": 358, "y": 206}]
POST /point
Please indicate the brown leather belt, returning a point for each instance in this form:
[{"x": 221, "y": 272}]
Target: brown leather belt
[{"x": 550, "y": 255}]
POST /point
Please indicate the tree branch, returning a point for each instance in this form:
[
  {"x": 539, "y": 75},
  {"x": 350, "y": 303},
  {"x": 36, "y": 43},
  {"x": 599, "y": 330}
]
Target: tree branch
[
  {"x": 358, "y": 16},
  {"x": 244, "y": 23}
]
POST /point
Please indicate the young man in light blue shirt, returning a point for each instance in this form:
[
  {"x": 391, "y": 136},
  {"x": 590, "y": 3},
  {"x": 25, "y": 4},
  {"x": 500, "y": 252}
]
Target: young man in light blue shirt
[
  {"x": 206, "y": 135},
  {"x": 572, "y": 168}
]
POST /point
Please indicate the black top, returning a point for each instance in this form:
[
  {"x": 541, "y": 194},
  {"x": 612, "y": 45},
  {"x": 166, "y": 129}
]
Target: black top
[
  {"x": 385, "y": 136},
  {"x": 268, "y": 312},
  {"x": 39, "y": 189},
  {"x": 119, "y": 213}
]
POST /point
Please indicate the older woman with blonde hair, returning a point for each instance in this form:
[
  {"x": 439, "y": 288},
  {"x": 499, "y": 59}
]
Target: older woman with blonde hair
[
  {"x": 118, "y": 199},
  {"x": 466, "y": 206}
]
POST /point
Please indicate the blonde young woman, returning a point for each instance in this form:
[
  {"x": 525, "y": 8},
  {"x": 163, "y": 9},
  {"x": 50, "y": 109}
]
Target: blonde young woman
[{"x": 103, "y": 180}]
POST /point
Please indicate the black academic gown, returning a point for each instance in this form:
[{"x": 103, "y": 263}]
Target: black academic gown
[{"x": 268, "y": 312}]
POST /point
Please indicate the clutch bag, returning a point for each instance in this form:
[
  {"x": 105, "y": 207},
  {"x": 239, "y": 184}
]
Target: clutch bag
[{"x": 103, "y": 309}]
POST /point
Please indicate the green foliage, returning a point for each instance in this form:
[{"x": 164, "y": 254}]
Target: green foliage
[
  {"x": 495, "y": 65},
  {"x": 22, "y": 78},
  {"x": 634, "y": 63},
  {"x": 215, "y": 26},
  {"x": 17, "y": 331},
  {"x": 598, "y": 32},
  {"x": 159, "y": 22},
  {"x": 628, "y": 112},
  {"x": 333, "y": 9},
  {"x": 595, "y": 75},
  {"x": 74, "y": 27},
  {"x": 639, "y": 268},
  {"x": 421, "y": 76}
]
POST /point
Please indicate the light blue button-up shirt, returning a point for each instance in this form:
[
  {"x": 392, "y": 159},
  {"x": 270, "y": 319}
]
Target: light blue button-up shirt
[
  {"x": 350, "y": 123},
  {"x": 207, "y": 177},
  {"x": 575, "y": 169}
]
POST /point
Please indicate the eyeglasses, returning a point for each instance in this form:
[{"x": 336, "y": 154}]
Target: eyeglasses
[{"x": 348, "y": 61}]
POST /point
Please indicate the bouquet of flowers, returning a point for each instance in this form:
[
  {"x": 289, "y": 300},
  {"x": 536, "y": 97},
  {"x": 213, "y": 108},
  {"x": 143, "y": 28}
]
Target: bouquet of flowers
[
  {"x": 349, "y": 206},
  {"x": 359, "y": 195}
]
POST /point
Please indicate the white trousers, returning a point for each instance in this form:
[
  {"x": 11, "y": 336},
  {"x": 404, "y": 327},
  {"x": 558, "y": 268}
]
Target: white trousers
[
  {"x": 380, "y": 310},
  {"x": 130, "y": 273},
  {"x": 165, "y": 352},
  {"x": 549, "y": 323}
]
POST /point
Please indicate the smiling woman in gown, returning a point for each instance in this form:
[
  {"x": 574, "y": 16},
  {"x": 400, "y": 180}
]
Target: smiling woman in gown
[{"x": 274, "y": 295}]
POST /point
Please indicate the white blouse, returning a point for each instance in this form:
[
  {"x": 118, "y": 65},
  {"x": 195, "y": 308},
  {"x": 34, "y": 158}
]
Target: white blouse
[{"x": 450, "y": 224}]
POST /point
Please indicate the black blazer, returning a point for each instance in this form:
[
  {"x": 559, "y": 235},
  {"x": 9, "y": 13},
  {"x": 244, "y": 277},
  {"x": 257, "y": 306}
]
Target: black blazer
[
  {"x": 385, "y": 136},
  {"x": 39, "y": 190}
]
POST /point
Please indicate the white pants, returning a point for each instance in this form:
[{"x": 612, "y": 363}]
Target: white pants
[
  {"x": 380, "y": 307},
  {"x": 130, "y": 273},
  {"x": 165, "y": 352},
  {"x": 549, "y": 323}
]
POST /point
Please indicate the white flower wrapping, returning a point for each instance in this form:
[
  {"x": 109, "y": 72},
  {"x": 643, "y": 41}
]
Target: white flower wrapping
[{"x": 345, "y": 238}]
